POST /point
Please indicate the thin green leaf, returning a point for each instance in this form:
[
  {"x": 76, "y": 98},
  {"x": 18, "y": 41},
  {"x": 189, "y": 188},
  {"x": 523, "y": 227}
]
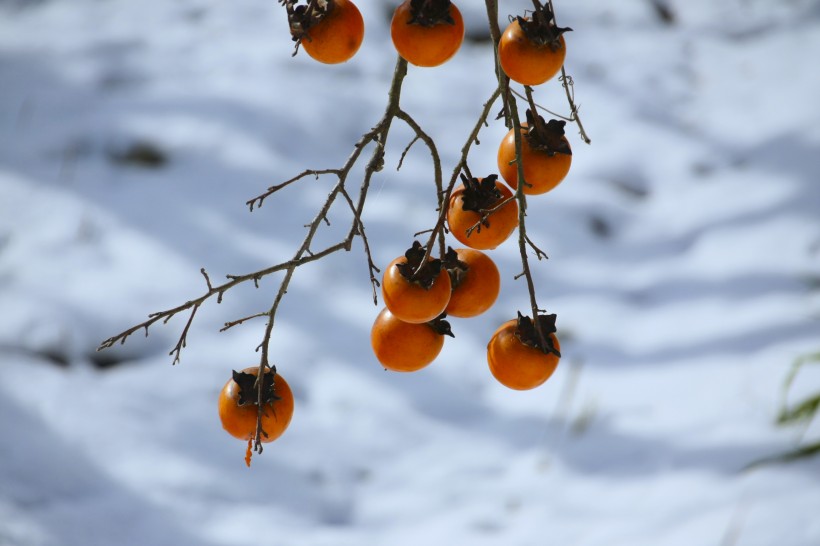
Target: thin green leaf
[
  {"x": 799, "y": 363},
  {"x": 801, "y": 452},
  {"x": 804, "y": 411},
  {"x": 812, "y": 358}
]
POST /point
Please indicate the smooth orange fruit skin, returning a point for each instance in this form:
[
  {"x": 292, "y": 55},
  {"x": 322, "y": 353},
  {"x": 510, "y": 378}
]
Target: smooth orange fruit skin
[
  {"x": 240, "y": 421},
  {"x": 526, "y": 62},
  {"x": 502, "y": 222},
  {"x": 338, "y": 36},
  {"x": 516, "y": 365},
  {"x": 410, "y": 302},
  {"x": 479, "y": 287},
  {"x": 402, "y": 346},
  {"x": 426, "y": 46},
  {"x": 543, "y": 172}
]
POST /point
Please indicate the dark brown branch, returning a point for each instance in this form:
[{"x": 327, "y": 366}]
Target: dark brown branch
[
  {"x": 437, "y": 177},
  {"x": 567, "y": 83},
  {"x": 522, "y": 223},
  {"x": 378, "y": 135},
  {"x": 259, "y": 199},
  {"x": 542, "y": 108},
  {"x": 358, "y": 228},
  {"x": 405, "y": 151},
  {"x": 438, "y": 229},
  {"x": 207, "y": 278},
  {"x": 495, "y": 34},
  {"x": 183, "y": 338},
  {"x": 540, "y": 254},
  {"x": 237, "y": 322},
  {"x": 513, "y": 122},
  {"x": 219, "y": 290}
]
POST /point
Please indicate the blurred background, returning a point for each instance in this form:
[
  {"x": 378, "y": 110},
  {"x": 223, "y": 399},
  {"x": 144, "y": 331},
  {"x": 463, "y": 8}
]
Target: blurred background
[{"x": 684, "y": 267}]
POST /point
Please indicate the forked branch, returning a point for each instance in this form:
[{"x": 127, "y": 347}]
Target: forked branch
[{"x": 354, "y": 202}]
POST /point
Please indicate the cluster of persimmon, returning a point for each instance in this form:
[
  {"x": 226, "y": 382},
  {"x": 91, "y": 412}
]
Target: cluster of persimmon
[
  {"x": 419, "y": 293},
  {"x": 418, "y": 290},
  {"x": 428, "y": 33}
]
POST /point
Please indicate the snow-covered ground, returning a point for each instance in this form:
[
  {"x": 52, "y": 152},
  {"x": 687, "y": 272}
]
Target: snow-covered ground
[{"x": 684, "y": 268}]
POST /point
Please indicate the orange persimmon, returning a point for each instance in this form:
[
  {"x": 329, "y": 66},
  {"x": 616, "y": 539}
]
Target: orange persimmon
[{"x": 424, "y": 39}]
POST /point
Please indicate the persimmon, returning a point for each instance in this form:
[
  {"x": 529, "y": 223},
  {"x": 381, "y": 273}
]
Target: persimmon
[
  {"x": 403, "y": 346},
  {"x": 415, "y": 294},
  {"x": 532, "y": 51},
  {"x": 476, "y": 283},
  {"x": 515, "y": 356},
  {"x": 468, "y": 205},
  {"x": 337, "y": 35},
  {"x": 546, "y": 156},
  {"x": 238, "y": 405},
  {"x": 427, "y": 33}
]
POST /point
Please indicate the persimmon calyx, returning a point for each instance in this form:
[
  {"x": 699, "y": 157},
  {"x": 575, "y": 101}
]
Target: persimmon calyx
[
  {"x": 527, "y": 333},
  {"x": 414, "y": 271},
  {"x": 480, "y": 195},
  {"x": 248, "y": 388},
  {"x": 546, "y": 136},
  {"x": 302, "y": 17},
  {"x": 441, "y": 326},
  {"x": 455, "y": 267},
  {"x": 540, "y": 29},
  {"x": 429, "y": 13}
]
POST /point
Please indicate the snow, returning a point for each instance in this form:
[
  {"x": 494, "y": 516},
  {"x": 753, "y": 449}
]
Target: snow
[{"x": 684, "y": 254}]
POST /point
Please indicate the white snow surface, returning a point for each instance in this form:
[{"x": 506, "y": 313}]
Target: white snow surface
[{"x": 684, "y": 268}]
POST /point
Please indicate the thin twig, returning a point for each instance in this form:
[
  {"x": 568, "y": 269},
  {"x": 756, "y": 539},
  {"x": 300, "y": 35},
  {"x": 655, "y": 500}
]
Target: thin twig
[
  {"x": 437, "y": 177},
  {"x": 237, "y": 322},
  {"x": 183, "y": 338},
  {"x": 486, "y": 213},
  {"x": 567, "y": 83},
  {"x": 406, "y": 149},
  {"x": 539, "y": 107},
  {"x": 259, "y": 199},
  {"x": 371, "y": 265}
]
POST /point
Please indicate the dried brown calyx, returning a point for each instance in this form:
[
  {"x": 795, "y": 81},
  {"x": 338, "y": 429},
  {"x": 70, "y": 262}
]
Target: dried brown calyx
[
  {"x": 248, "y": 390},
  {"x": 527, "y": 334},
  {"x": 480, "y": 194},
  {"x": 414, "y": 271},
  {"x": 540, "y": 28},
  {"x": 441, "y": 326},
  {"x": 429, "y": 13},
  {"x": 455, "y": 267},
  {"x": 303, "y": 17},
  {"x": 546, "y": 136}
]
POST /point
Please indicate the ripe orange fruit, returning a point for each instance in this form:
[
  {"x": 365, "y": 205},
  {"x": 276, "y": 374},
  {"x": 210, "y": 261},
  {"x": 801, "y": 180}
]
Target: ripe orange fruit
[
  {"x": 419, "y": 299},
  {"x": 528, "y": 62},
  {"x": 337, "y": 36},
  {"x": 427, "y": 33},
  {"x": 238, "y": 409},
  {"x": 516, "y": 364},
  {"x": 403, "y": 346},
  {"x": 475, "y": 288},
  {"x": 543, "y": 170},
  {"x": 467, "y": 205}
]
